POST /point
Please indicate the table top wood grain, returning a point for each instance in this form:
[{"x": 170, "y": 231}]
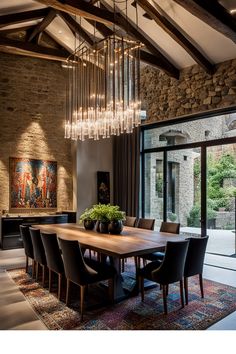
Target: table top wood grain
[{"x": 131, "y": 242}]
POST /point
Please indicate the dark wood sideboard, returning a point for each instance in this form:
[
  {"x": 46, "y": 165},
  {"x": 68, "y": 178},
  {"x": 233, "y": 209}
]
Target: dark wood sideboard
[{"x": 10, "y": 226}]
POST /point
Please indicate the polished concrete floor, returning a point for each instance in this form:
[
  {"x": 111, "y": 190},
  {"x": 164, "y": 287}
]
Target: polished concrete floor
[{"x": 16, "y": 313}]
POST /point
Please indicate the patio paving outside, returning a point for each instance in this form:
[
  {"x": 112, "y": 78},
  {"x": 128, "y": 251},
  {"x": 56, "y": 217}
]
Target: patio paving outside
[{"x": 221, "y": 247}]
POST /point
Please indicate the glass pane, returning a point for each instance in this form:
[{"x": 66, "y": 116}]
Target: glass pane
[
  {"x": 184, "y": 189},
  {"x": 221, "y": 188},
  {"x": 153, "y": 190},
  {"x": 192, "y": 131}
]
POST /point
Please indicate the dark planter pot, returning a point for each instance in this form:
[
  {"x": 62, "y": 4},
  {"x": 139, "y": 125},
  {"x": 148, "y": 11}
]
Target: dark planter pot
[
  {"x": 97, "y": 226},
  {"x": 88, "y": 224},
  {"x": 103, "y": 227},
  {"x": 115, "y": 227}
]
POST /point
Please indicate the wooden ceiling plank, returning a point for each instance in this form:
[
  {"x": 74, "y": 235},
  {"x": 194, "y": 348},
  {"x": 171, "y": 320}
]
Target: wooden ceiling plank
[
  {"x": 178, "y": 36},
  {"x": 19, "y": 17},
  {"x": 43, "y": 24},
  {"x": 31, "y": 49},
  {"x": 75, "y": 27},
  {"x": 81, "y": 8},
  {"x": 213, "y": 14}
]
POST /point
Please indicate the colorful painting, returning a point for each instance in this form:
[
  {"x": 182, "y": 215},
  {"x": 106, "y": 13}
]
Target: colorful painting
[
  {"x": 33, "y": 183},
  {"x": 103, "y": 187}
]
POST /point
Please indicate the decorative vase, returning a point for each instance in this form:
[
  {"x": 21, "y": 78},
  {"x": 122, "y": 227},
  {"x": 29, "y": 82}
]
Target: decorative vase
[
  {"x": 88, "y": 224},
  {"x": 103, "y": 227},
  {"x": 115, "y": 227}
]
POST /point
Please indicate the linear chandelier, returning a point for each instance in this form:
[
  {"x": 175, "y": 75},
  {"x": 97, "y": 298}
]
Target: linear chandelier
[{"x": 103, "y": 96}]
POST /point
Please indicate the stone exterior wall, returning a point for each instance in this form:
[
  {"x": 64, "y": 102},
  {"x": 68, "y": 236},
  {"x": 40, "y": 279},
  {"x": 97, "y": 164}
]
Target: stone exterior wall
[
  {"x": 32, "y": 97},
  {"x": 196, "y": 91}
]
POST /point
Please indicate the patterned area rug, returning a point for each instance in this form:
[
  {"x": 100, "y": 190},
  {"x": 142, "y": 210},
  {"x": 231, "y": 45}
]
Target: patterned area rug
[{"x": 131, "y": 314}]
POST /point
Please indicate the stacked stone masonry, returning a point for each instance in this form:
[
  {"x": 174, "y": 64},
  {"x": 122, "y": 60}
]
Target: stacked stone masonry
[
  {"x": 32, "y": 100},
  {"x": 196, "y": 91}
]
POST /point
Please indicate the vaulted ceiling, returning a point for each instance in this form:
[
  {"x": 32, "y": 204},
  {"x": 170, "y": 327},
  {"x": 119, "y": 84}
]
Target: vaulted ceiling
[{"x": 175, "y": 33}]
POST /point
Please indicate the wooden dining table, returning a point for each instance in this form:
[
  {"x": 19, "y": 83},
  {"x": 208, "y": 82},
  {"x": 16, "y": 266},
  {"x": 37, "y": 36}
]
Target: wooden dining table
[{"x": 132, "y": 242}]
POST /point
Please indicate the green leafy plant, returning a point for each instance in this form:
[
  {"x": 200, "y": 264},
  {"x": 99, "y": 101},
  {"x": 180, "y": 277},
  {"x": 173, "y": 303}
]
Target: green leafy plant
[
  {"x": 195, "y": 215},
  {"x": 115, "y": 214},
  {"x": 172, "y": 217},
  {"x": 106, "y": 213},
  {"x": 100, "y": 212},
  {"x": 86, "y": 215}
]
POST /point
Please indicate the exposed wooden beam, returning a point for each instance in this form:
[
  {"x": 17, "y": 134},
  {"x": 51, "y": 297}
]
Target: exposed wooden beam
[
  {"x": 81, "y": 8},
  {"x": 152, "y": 60},
  {"x": 30, "y": 49},
  {"x": 144, "y": 56},
  {"x": 14, "y": 30},
  {"x": 138, "y": 34},
  {"x": 43, "y": 24},
  {"x": 175, "y": 33},
  {"x": 214, "y": 14},
  {"x": 19, "y": 17},
  {"x": 75, "y": 27},
  {"x": 103, "y": 29}
]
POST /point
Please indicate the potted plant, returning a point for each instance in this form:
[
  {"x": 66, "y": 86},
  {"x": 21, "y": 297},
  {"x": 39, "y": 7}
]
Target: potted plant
[
  {"x": 87, "y": 219},
  {"x": 100, "y": 213},
  {"x": 115, "y": 217}
]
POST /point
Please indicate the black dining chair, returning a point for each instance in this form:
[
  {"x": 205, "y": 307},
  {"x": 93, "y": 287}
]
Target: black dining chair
[
  {"x": 83, "y": 273},
  {"x": 54, "y": 259},
  {"x": 169, "y": 227},
  {"x": 28, "y": 247},
  {"x": 194, "y": 262},
  {"x": 147, "y": 224},
  {"x": 130, "y": 221},
  {"x": 171, "y": 270},
  {"x": 39, "y": 252}
]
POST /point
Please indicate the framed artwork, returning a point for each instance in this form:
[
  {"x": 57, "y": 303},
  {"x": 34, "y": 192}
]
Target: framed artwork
[
  {"x": 103, "y": 187},
  {"x": 33, "y": 183}
]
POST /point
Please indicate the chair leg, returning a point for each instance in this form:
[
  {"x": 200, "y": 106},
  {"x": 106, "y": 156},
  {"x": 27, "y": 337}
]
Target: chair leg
[
  {"x": 67, "y": 291},
  {"x": 123, "y": 265},
  {"x": 111, "y": 285},
  {"x": 141, "y": 286},
  {"x": 186, "y": 290},
  {"x": 27, "y": 264},
  {"x": 201, "y": 285},
  {"x": 164, "y": 298},
  {"x": 181, "y": 288},
  {"x": 37, "y": 270},
  {"x": 44, "y": 271},
  {"x": 33, "y": 268},
  {"x": 82, "y": 291},
  {"x": 137, "y": 263},
  {"x": 59, "y": 286},
  {"x": 50, "y": 280}
]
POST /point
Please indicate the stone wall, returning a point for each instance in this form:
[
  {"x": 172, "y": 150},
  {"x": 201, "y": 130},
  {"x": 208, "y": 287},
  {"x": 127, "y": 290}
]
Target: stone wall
[
  {"x": 32, "y": 97},
  {"x": 196, "y": 91}
]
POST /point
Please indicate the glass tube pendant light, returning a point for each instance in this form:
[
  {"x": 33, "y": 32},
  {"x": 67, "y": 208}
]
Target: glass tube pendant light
[{"x": 103, "y": 95}]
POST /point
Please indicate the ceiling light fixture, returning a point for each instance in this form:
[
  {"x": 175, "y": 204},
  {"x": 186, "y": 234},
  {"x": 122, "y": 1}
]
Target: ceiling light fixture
[{"x": 103, "y": 96}]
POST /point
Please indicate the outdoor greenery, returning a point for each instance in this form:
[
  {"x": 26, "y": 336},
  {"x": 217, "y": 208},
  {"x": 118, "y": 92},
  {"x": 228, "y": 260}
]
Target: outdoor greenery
[{"x": 218, "y": 194}]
